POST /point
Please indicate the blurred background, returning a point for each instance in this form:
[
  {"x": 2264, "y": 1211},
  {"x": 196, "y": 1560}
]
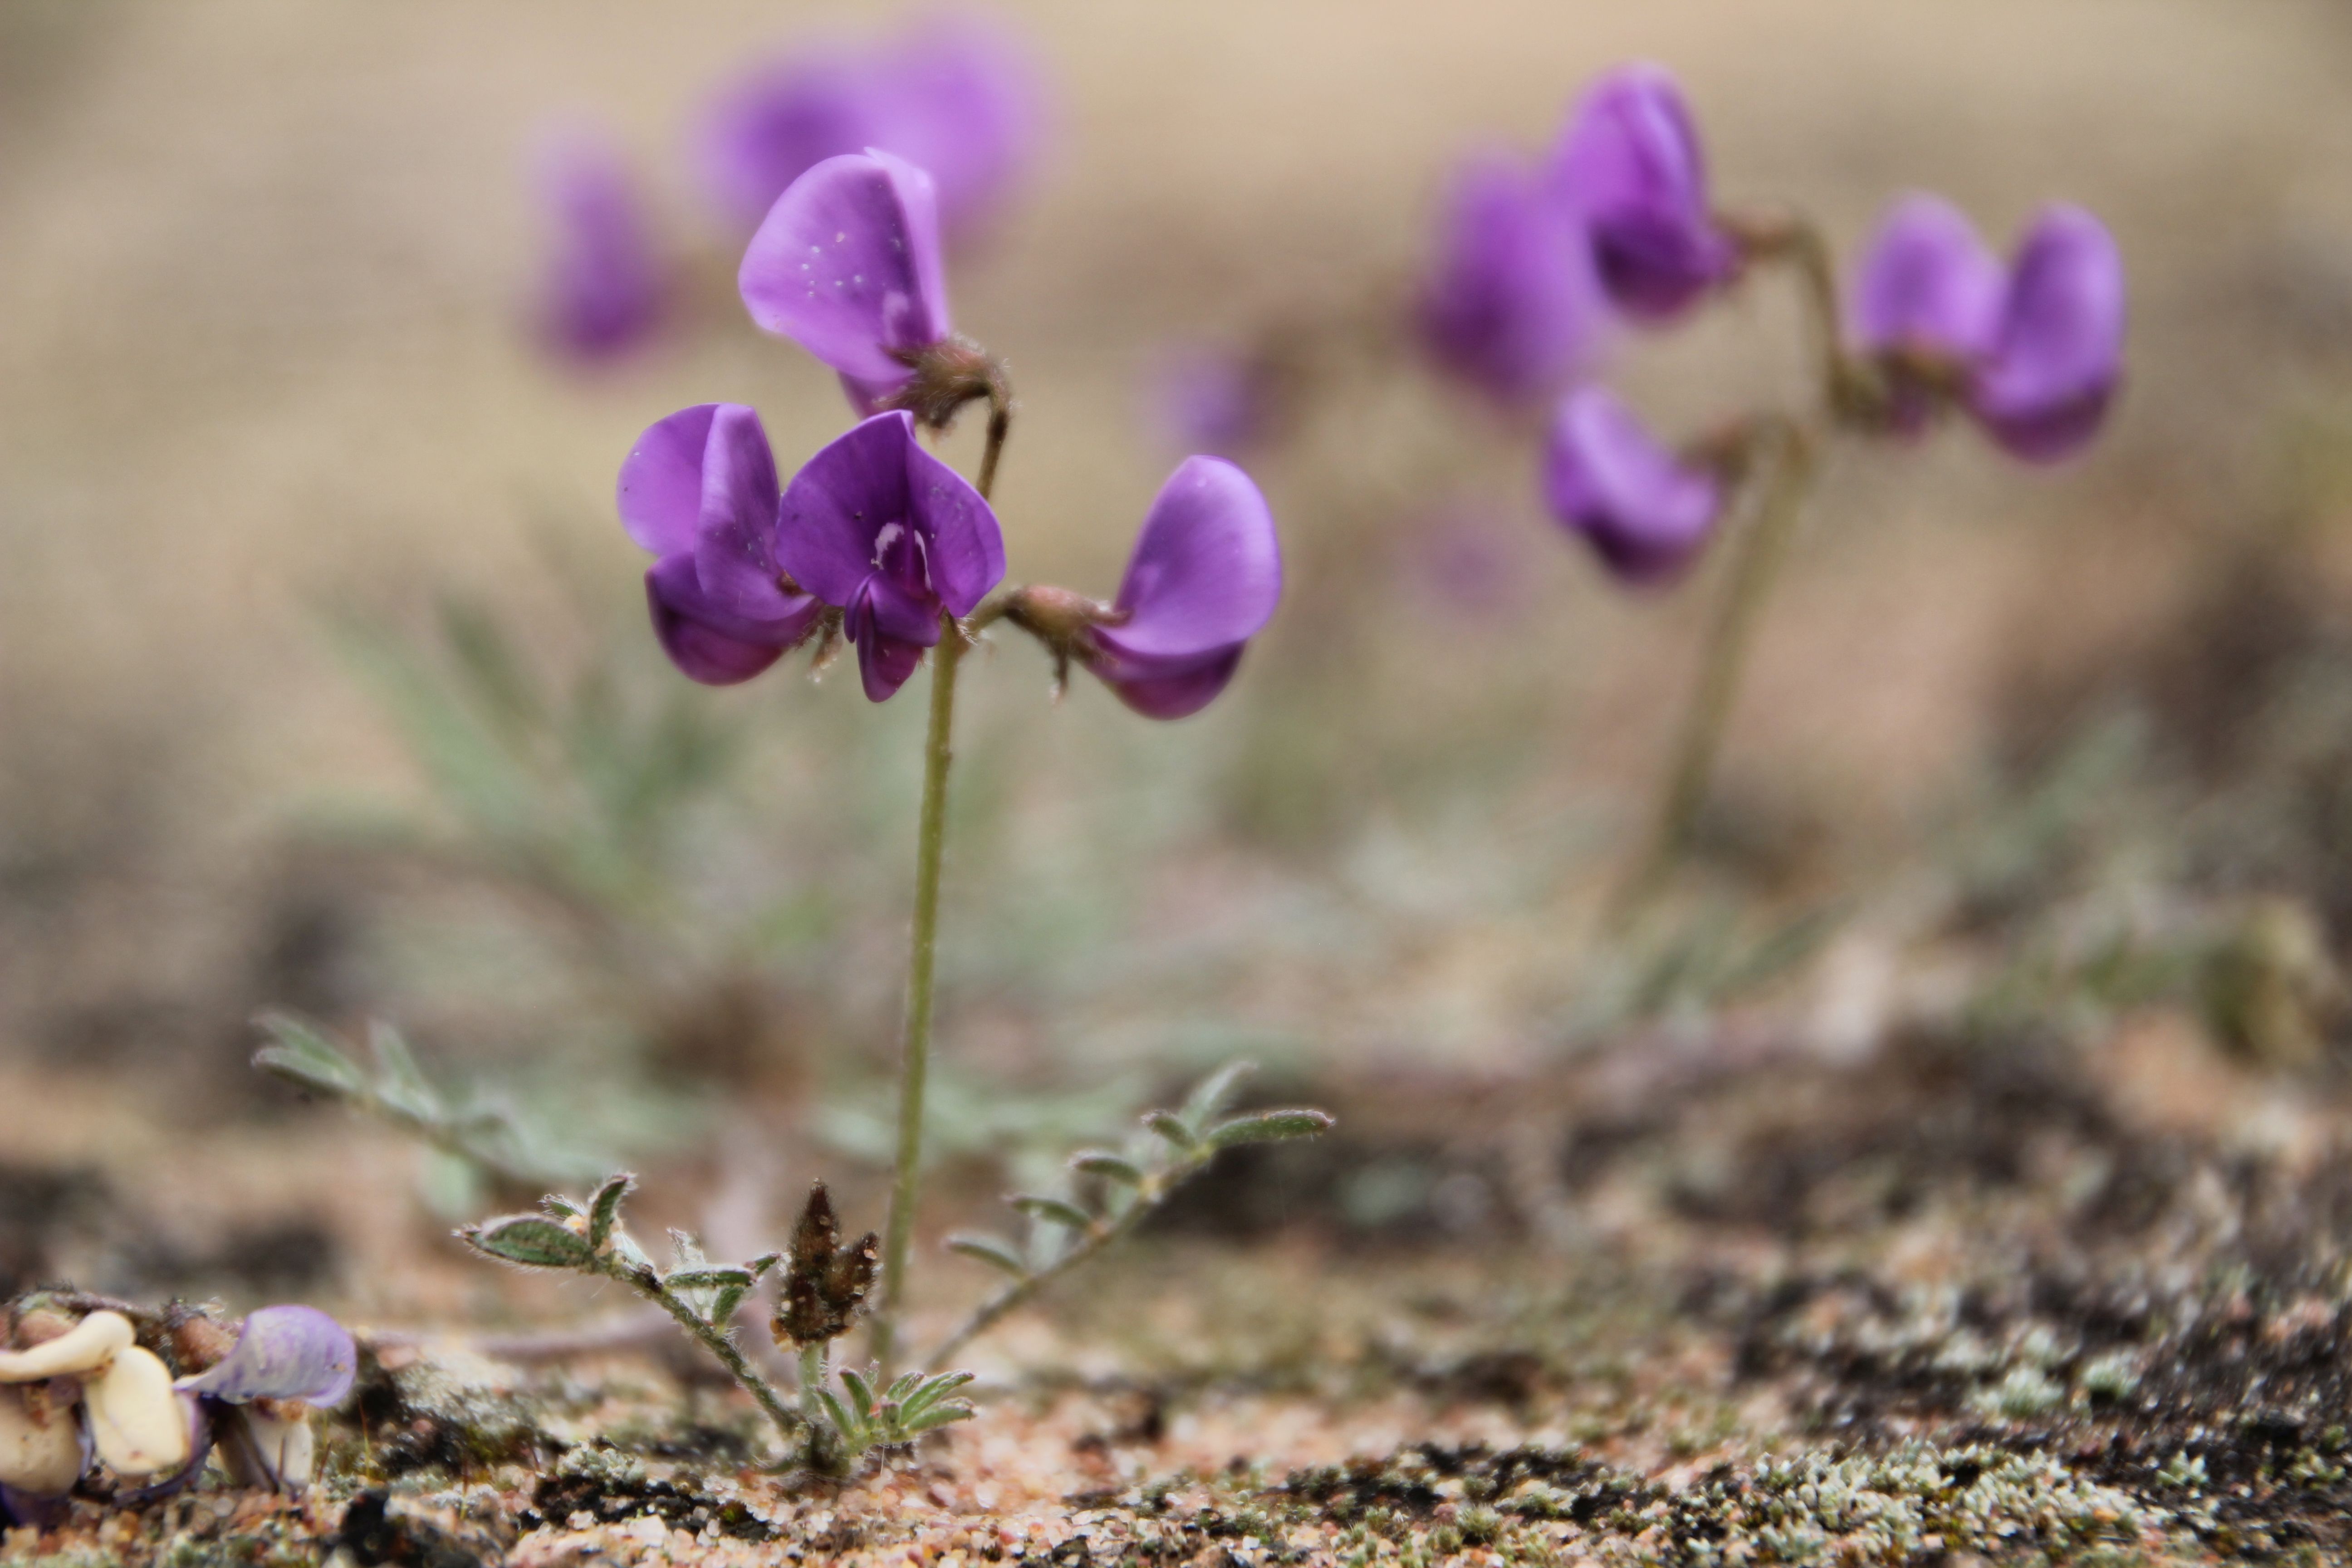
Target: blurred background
[{"x": 325, "y": 684}]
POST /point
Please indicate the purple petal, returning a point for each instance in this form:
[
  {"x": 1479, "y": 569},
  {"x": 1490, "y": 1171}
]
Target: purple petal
[
  {"x": 1207, "y": 568},
  {"x": 837, "y": 505},
  {"x": 885, "y": 663},
  {"x": 602, "y": 294},
  {"x": 893, "y": 610},
  {"x": 1512, "y": 306},
  {"x": 707, "y": 643},
  {"x": 282, "y": 1352},
  {"x": 1211, "y": 400},
  {"x": 847, "y": 265},
  {"x": 967, "y": 547},
  {"x": 1630, "y": 163},
  {"x": 660, "y": 492},
  {"x": 735, "y": 536},
  {"x": 1608, "y": 478},
  {"x": 1164, "y": 688},
  {"x": 2043, "y": 391},
  {"x": 1927, "y": 284}
]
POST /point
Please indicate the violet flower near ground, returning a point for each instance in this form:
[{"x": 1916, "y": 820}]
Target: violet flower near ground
[
  {"x": 1631, "y": 166},
  {"x": 1204, "y": 578},
  {"x": 698, "y": 490},
  {"x": 1513, "y": 305},
  {"x": 891, "y": 536},
  {"x": 1926, "y": 304},
  {"x": 257, "y": 1399},
  {"x": 2044, "y": 384},
  {"x": 951, "y": 95},
  {"x": 605, "y": 290},
  {"x": 1646, "y": 512},
  {"x": 847, "y": 265}
]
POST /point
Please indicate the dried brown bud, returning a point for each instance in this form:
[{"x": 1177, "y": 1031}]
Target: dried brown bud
[
  {"x": 198, "y": 1343},
  {"x": 826, "y": 1283}
]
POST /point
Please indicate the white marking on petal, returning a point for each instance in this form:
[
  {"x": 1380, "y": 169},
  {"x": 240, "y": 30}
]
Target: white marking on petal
[{"x": 135, "y": 1417}]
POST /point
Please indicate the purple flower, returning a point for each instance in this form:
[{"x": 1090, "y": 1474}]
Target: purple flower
[
  {"x": 893, "y": 537},
  {"x": 952, "y": 96},
  {"x": 1204, "y": 580},
  {"x": 1644, "y": 510},
  {"x": 2042, "y": 387},
  {"x": 847, "y": 266},
  {"x": 1927, "y": 302},
  {"x": 1630, "y": 163},
  {"x": 699, "y": 491},
  {"x": 1512, "y": 306},
  {"x": 603, "y": 292},
  {"x": 256, "y": 1399}
]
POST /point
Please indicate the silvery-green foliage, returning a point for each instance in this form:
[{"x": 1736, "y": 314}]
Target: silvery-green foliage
[{"x": 867, "y": 1417}]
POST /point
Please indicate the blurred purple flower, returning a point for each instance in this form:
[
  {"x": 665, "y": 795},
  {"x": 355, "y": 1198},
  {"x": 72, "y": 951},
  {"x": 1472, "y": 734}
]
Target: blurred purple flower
[
  {"x": 698, "y": 490},
  {"x": 1465, "y": 559},
  {"x": 604, "y": 291},
  {"x": 2044, "y": 384},
  {"x": 1927, "y": 302},
  {"x": 1644, "y": 510},
  {"x": 847, "y": 266},
  {"x": 1211, "y": 400},
  {"x": 1631, "y": 165},
  {"x": 953, "y": 96},
  {"x": 1204, "y": 579},
  {"x": 1512, "y": 306},
  {"x": 254, "y": 1402},
  {"x": 890, "y": 535}
]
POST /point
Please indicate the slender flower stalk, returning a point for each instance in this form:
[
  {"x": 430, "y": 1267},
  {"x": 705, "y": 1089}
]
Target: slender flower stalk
[
  {"x": 1755, "y": 568},
  {"x": 930, "y": 841}
]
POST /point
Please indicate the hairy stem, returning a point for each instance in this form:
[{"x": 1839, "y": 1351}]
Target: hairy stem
[
  {"x": 823, "y": 1450},
  {"x": 1763, "y": 548},
  {"x": 1155, "y": 1191},
  {"x": 719, "y": 1342},
  {"x": 930, "y": 839}
]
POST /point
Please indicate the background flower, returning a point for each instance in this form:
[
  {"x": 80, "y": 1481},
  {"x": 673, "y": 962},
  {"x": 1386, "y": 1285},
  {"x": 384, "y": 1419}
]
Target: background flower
[
  {"x": 2043, "y": 387},
  {"x": 1513, "y": 305},
  {"x": 603, "y": 292},
  {"x": 1631, "y": 165},
  {"x": 1645, "y": 512}
]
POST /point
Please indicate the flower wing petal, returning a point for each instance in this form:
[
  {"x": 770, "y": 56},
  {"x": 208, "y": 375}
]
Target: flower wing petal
[
  {"x": 735, "y": 538},
  {"x": 847, "y": 266},
  {"x": 2044, "y": 390},
  {"x": 1207, "y": 568},
  {"x": 282, "y": 1352},
  {"x": 1927, "y": 282},
  {"x": 660, "y": 492},
  {"x": 1607, "y": 478},
  {"x": 966, "y": 554},
  {"x": 840, "y": 502}
]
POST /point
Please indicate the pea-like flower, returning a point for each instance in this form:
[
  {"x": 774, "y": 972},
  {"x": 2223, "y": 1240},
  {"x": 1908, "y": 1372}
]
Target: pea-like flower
[
  {"x": 605, "y": 290},
  {"x": 892, "y": 537},
  {"x": 1512, "y": 306},
  {"x": 1204, "y": 578},
  {"x": 86, "y": 1390},
  {"x": 953, "y": 96},
  {"x": 699, "y": 491},
  {"x": 1644, "y": 510},
  {"x": 2034, "y": 350},
  {"x": 2044, "y": 384},
  {"x": 847, "y": 265},
  {"x": 1630, "y": 163}
]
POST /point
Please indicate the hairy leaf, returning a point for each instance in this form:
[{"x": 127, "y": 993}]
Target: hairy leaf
[
  {"x": 1268, "y": 1127},
  {"x": 529, "y": 1240},
  {"x": 988, "y": 1249}
]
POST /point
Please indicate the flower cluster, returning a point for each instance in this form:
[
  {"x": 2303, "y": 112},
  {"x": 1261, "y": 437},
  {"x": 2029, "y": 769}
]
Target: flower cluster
[
  {"x": 876, "y": 540},
  {"x": 81, "y": 1389},
  {"x": 1538, "y": 264}
]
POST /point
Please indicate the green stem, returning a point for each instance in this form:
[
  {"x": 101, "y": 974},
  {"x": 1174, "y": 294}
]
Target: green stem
[
  {"x": 1763, "y": 548},
  {"x": 716, "y": 1341},
  {"x": 823, "y": 1452},
  {"x": 931, "y": 839}
]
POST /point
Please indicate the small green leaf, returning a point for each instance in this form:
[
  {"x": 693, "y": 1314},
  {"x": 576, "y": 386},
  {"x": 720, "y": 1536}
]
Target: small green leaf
[
  {"x": 759, "y": 1265},
  {"x": 738, "y": 1279},
  {"x": 1103, "y": 1162},
  {"x": 400, "y": 1083},
  {"x": 1210, "y": 1096},
  {"x": 604, "y": 1209},
  {"x": 942, "y": 1414},
  {"x": 1268, "y": 1127},
  {"x": 723, "y": 1305},
  {"x": 988, "y": 1249},
  {"x": 626, "y": 1248},
  {"x": 560, "y": 1208},
  {"x": 907, "y": 1382},
  {"x": 853, "y": 1432},
  {"x": 1171, "y": 1126},
  {"x": 529, "y": 1240},
  {"x": 930, "y": 1391},
  {"x": 861, "y": 1392},
  {"x": 307, "y": 1058},
  {"x": 1055, "y": 1210}
]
